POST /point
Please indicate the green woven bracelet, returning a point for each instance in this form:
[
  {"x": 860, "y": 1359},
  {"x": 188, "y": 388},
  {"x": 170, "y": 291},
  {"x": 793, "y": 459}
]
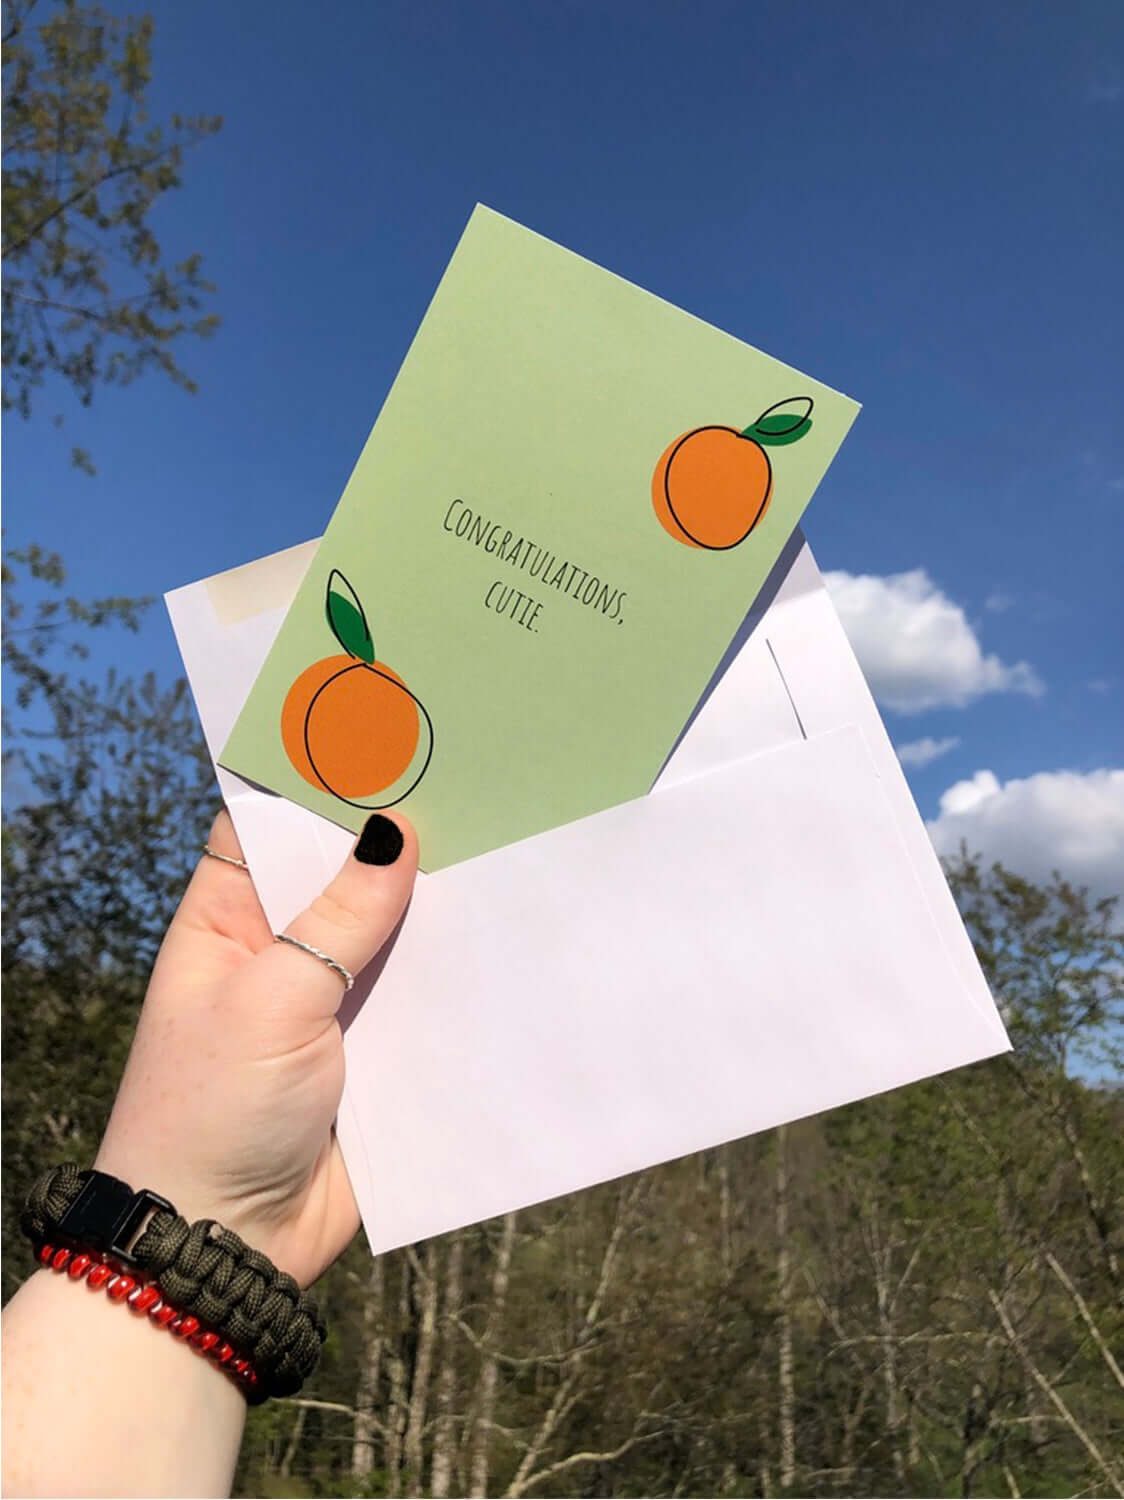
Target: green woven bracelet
[{"x": 205, "y": 1270}]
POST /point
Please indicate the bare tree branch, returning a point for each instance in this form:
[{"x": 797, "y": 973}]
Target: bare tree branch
[{"x": 1053, "y": 1397}]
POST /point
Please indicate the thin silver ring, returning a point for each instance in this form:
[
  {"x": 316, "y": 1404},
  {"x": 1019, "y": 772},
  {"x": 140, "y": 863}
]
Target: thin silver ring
[
  {"x": 336, "y": 968},
  {"x": 227, "y": 859}
]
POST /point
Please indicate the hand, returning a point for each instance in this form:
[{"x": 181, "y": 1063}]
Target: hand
[{"x": 228, "y": 1099}]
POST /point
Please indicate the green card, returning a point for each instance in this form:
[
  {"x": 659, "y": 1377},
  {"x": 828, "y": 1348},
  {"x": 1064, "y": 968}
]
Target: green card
[{"x": 570, "y": 499}]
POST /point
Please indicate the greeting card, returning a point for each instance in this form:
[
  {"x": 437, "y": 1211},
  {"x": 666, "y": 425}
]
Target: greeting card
[{"x": 569, "y": 501}]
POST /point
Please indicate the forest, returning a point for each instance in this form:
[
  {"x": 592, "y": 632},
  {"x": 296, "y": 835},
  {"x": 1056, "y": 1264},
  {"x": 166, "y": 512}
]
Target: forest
[{"x": 920, "y": 1294}]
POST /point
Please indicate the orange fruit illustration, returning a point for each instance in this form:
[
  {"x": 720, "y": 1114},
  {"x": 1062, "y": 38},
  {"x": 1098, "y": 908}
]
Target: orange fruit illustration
[
  {"x": 713, "y": 484},
  {"x": 349, "y": 724}
]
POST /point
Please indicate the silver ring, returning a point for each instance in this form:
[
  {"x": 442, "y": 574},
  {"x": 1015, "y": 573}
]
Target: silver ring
[
  {"x": 227, "y": 859},
  {"x": 336, "y": 968}
]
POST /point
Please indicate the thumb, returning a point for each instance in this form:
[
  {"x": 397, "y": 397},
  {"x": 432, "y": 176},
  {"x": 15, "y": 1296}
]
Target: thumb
[{"x": 348, "y": 923}]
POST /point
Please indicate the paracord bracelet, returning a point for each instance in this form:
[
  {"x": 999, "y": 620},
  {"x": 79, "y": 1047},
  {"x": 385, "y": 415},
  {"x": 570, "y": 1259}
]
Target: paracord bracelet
[{"x": 205, "y": 1271}]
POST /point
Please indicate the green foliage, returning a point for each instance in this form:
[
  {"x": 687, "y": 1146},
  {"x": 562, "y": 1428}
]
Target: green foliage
[
  {"x": 88, "y": 293},
  {"x": 108, "y": 794},
  {"x": 1055, "y": 962}
]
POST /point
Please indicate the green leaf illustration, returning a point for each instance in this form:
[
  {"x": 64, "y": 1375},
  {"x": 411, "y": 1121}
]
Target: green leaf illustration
[
  {"x": 785, "y": 422},
  {"x": 347, "y": 620}
]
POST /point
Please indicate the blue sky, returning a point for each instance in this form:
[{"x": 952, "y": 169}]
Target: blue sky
[{"x": 919, "y": 206}]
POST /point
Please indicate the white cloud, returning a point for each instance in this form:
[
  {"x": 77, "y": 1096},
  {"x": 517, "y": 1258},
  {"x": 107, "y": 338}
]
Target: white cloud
[
  {"x": 1068, "y": 821},
  {"x": 966, "y": 795},
  {"x": 922, "y": 752},
  {"x": 997, "y": 602},
  {"x": 916, "y": 646}
]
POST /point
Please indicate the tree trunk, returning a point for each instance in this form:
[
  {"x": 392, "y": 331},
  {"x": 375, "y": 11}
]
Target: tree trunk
[
  {"x": 367, "y": 1390},
  {"x": 295, "y": 1436},
  {"x": 569, "y": 1388},
  {"x": 852, "y": 1421},
  {"x": 764, "y": 1474},
  {"x": 881, "y": 1255},
  {"x": 974, "y": 1437},
  {"x": 1086, "y": 1317},
  {"x": 914, "y": 1456},
  {"x": 785, "y": 1381},
  {"x": 1018, "y": 1345},
  {"x": 565, "y": 1394},
  {"x": 489, "y": 1372},
  {"x": 444, "y": 1435},
  {"x": 413, "y": 1451},
  {"x": 1098, "y": 1213},
  {"x": 724, "y": 1211},
  {"x": 396, "y": 1365}
]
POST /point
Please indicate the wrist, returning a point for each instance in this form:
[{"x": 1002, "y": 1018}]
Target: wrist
[
  {"x": 126, "y": 1402},
  {"x": 216, "y": 1285},
  {"x": 171, "y": 1176},
  {"x": 196, "y": 1192},
  {"x": 132, "y": 1290}
]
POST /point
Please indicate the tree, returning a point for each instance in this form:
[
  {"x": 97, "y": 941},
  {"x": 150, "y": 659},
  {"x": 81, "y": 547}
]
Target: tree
[
  {"x": 109, "y": 793},
  {"x": 1055, "y": 961},
  {"x": 88, "y": 294}
]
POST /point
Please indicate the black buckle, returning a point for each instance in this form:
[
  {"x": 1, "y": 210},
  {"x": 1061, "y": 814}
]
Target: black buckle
[{"x": 107, "y": 1216}]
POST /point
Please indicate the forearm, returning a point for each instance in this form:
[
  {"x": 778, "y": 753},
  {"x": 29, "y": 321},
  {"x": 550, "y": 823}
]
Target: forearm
[
  {"x": 98, "y": 1401},
  {"x": 227, "y": 1104}
]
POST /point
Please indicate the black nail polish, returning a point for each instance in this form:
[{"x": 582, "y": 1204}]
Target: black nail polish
[{"x": 380, "y": 843}]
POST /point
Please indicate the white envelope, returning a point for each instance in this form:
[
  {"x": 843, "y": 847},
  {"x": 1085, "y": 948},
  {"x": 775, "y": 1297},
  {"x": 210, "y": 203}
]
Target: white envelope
[{"x": 766, "y": 935}]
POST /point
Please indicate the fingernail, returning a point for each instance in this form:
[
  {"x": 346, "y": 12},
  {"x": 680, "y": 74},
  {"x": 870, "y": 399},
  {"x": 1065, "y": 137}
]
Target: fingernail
[{"x": 380, "y": 843}]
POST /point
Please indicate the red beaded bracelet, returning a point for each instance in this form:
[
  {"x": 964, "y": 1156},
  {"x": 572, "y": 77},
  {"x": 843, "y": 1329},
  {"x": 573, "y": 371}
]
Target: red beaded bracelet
[{"x": 102, "y": 1275}]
